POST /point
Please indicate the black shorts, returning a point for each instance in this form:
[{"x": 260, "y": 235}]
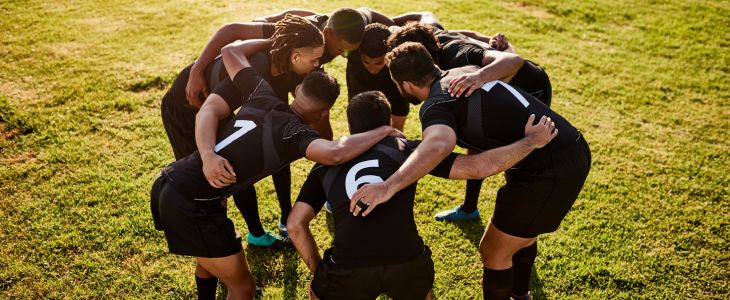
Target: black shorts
[
  {"x": 192, "y": 227},
  {"x": 538, "y": 195},
  {"x": 178, "y": 117},
  {"x": 409, "y": 280}
]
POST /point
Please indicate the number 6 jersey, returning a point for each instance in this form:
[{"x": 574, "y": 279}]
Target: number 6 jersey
[{"x": 262, "y": 137}]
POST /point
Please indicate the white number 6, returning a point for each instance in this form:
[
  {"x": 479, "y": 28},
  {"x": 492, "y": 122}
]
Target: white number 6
[{"x": 351, "y": 183}]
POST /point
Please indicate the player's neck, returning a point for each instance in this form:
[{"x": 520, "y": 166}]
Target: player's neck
[
  {"x": 275, "y": 70},
  {"x": 297, "y": 108}
]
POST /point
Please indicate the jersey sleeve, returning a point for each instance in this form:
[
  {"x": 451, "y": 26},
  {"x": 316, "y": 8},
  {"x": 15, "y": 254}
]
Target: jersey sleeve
[
  {"x": 230, "y": 94},
  {"x": 312, "y": 191},
  {"x": 251, "y": 85},
  {"x": 438, "y": 114},
  {"x": 398, "y": 105},
  {"x": 301, "y": 135},
  {"x": 466, "y": 54},
  {"x": 444, "y": 167}
]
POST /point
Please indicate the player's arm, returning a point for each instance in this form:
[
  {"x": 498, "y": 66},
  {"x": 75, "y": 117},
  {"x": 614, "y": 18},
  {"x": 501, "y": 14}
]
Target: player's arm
[
  {"x": 497, "y": 160},
  {"x": 376, "y": 16},
  {"x": 234, "y": 54},
  {"x": 438, "y": 142},
  {"x": 226, "y": 34},
  {"x": 473, "y": 34},
  {"x": 278, "y": 17},
  {"x": 398, "y": 122},
  {"x": 345, "y": 148},
  {"x": 301, "y": 236},
  {"x": 496, "y": 65},
  {"x": 218, "y": 172}
]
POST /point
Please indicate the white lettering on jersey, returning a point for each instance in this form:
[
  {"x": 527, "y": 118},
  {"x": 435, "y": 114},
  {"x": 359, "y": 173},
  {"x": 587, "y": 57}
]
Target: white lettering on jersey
[
  {"x": 351, "y": 183},
  {"x": 489, "y": 85},
  {"x": 245, "y": 126}
]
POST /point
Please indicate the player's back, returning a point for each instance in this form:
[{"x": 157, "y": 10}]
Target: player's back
[{"x": 389, "y": 233}]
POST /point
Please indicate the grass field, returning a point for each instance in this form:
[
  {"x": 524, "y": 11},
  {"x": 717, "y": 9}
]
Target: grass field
[{"x": 646, "y": 81}]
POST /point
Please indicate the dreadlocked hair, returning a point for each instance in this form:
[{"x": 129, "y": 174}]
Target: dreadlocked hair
[{"x": 292, "y": 32}]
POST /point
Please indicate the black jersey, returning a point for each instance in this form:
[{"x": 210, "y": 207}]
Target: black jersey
[
  {"x": 264, "y": 136},
  {"x": 388, "y": 235},
  {"x": 492, "y": 116},
  {"x": 458, "y": 50},
  {"x": 360, "y": 80},
  {"x": 282, "y": 84}
]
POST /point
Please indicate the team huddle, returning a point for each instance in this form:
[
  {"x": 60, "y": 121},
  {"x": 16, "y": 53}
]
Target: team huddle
[{"x": 230, "y": 124}]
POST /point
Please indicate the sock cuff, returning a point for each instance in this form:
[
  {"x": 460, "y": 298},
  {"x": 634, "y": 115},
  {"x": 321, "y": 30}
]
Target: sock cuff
[{"x": 498, "y": 277}]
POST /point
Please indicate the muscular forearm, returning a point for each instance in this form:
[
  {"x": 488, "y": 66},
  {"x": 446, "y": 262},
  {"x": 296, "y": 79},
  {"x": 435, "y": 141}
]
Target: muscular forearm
[
  {"x": 227, "y": 34},
  {"x": 426, "y": 157},
  {"x": 303, "y": 240},
  {"x": 475, "y": 35},
  {"x": 346, "y": 148},
  {"x": 503, "y": 66},
  {"x": 349, "y": 147},
  {"x": 206, "y": 125},
  {"x": 490, "y": 162}
]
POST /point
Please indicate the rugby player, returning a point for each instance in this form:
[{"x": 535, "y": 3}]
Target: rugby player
[
  {"x": 539, "y": 189},
  {"x": 294, "y": 51},
  {"x": 382, "y": 253},
  {"x": 263, "y": 137},
  {"x": 451, "y": 49}
]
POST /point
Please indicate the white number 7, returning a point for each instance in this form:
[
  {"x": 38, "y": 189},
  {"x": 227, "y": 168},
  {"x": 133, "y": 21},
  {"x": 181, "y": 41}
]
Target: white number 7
[{"x": 245, "y": 126}]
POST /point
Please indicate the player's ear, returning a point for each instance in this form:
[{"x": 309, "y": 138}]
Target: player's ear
[{"x": 296, "y": 55}]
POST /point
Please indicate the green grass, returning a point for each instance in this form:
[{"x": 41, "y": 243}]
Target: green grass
[{"x": 81, "y": 140}]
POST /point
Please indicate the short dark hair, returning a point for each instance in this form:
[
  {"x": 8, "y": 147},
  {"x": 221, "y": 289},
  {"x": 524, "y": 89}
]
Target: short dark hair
[
  {"x": 321, "y": 86},
  {"x": 347, "y": 24},
  {"x": 374, "y": 40},
  {"x": 419, "y": 33},
  {"x": 368, "y": 110},
  {"x": 292, "y": 32},
  {"x": 411, "y": 62}
]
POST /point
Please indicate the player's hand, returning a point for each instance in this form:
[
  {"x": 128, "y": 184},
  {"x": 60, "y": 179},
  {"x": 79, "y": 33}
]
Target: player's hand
[
  {"x": 540, "y": 134},
  {"x": 196, "y": 86},
  {"x": 499, "y": 42},
  {"x": 397, "y": 133},
  {"x": 465, "y": 84},
  {"x": 369, "y": 196},
  {"x": 217, "y": 170}
]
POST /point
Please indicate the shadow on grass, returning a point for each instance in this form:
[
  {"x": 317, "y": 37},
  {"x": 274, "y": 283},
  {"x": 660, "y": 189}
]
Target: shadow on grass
[
  {"x": 473, "y": 230},
  {"x": 272, "y": 265}
]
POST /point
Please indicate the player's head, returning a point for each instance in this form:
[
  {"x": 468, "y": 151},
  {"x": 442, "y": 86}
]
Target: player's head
[
  {"x": 368, "y": 110},
  {"x": 297, "y": 45},
  {"x": 344, "y": 31},
  {"x": 316, "y": 95},
  {"x": 412, "y": 69},
  {"x": 419, "y": 33},
  {"x": 373, "y": 47}
]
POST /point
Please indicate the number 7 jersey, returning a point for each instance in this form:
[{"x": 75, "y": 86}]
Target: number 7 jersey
[{"x": 261, "y": 138}]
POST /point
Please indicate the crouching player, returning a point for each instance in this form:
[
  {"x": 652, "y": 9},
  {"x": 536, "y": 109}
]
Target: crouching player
[
  {"x": 263, "y": 137},
  {"x": 382, "y": 253}
]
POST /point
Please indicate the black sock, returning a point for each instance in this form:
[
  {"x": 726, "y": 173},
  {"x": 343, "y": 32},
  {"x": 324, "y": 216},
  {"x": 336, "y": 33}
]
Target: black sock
[
  {"x": 497, "y": 284},
  {"x": 522, "y": 262},
  {"x": 282, "y": 185},
  {"x": 471, "y": 199},
  {"x": 247, "y": 204},
  {"x": 206, "y": 287}
]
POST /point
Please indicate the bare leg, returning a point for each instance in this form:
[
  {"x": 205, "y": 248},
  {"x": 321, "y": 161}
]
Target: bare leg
[{"x": 234, "y": 272}]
